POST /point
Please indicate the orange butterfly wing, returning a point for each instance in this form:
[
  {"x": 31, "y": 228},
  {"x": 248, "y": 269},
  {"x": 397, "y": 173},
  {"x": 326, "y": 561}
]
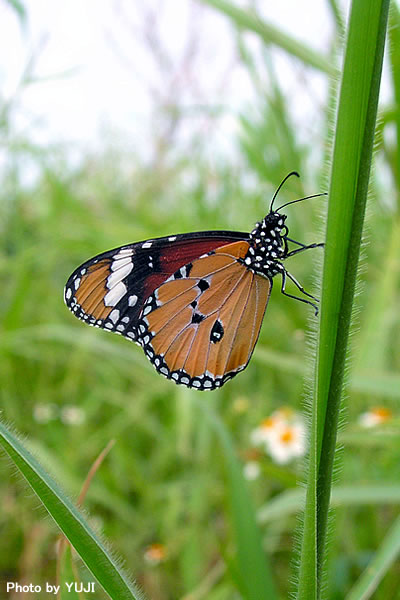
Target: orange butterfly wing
[{"x": 200, "y": 327}]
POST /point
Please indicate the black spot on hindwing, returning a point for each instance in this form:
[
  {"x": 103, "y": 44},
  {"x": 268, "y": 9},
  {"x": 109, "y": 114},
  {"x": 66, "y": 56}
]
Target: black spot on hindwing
[
  {"x": 203, "y": 285},
  {"x": 217, "y": 332},
  {"x": 183, "y": 271},
  {"x": 197, "y": 318}
]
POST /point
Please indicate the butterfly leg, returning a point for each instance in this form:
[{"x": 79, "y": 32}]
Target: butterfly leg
[
  {"x": 300, "y": 287},
  {"x": 302, "y": 247}
]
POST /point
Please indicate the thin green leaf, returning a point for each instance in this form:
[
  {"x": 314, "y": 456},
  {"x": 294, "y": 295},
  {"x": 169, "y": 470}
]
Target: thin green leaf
[
  {"x": 94, "y": 554},
  {"x": 292, "y": 501},
  {"x": 68, "y": 592},
  {"x": 251, "y": 566},
  {"x": 379, "y": 565},
  {"x": 20, "y": 10},
  {"x": 394, "y": 44},
  {"x": 372, "y": 382},
  {"x": 348, "y": 193},
  {"x": 337, "y": 14},
  {"x": 272, "y": 35}
]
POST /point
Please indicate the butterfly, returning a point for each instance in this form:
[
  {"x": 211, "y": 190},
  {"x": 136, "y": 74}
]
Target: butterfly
[{"x": 195, "y": 302}]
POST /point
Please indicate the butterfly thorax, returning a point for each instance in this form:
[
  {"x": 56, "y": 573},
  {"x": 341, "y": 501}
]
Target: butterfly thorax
[{"x": 267, "y": 246}]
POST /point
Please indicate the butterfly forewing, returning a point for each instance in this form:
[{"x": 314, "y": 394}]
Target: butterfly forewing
[
  {"x": 200, "y": 327},
  {"x": 109, "y": 290}
]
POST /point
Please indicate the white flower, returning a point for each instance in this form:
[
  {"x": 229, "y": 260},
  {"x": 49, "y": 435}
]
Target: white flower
[
  {"x": 251, "y": 470},
  {"x": 287, "y": 442},
  {"x": 261, "y": 434},
  {"x": 375, "y": 416},
  {"x": 43, "y": 413},
  {"x": 72, "y": 415},
  {"x": 283, "y": 435}
]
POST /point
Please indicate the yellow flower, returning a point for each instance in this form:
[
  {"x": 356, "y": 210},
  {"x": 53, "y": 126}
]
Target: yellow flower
[{"x": 155, "y": 553}]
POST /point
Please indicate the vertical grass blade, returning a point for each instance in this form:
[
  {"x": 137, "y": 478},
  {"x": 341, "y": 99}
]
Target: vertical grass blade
[
  {"x": 350, "y": 171},
  {"x": 394, "y": 45},
  {"x": 92, "y": 551},
  {"x": 379, "y": 565},
  {"x": 250, "y": 21},
  {"x": 251, "y": 566}
]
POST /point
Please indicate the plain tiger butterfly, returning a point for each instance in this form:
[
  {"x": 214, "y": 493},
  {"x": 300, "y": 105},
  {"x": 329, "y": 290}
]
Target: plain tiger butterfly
[{"x": 195, "y": 302}]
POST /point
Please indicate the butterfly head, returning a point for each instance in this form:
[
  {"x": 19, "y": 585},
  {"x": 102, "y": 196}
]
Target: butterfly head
[{"x": 271, "y": 227}]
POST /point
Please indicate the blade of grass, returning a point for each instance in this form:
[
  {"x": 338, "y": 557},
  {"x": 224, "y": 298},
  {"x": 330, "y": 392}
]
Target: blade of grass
[
  {"x": 68, "y": 576},
  {"x": 337, "y": 14},
  {"x": 94, "y": 554},
  {"x": 352, "y": 156},
  {"x": 272, "y": 35},
  {"x": 290, "y": 502},
  {"x": 379, "y": 565},
  {"x": 65, "y": 566},
  {"x": 394, "y": 44},
  {"x": 251, "y": 565}
]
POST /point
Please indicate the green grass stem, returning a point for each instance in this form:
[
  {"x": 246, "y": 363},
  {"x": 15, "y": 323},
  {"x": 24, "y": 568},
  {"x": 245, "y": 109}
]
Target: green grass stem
[
  {"x": 254, "y": 573},
  {"x": 350, "y": 171},
  {"x": 383, "y": 559},
  {"x": 250, "y": 21},
  {"x": 94, "y": 554}
]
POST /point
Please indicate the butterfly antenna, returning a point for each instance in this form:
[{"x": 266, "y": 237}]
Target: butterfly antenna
[
  {"x": 301, "y": 200},
  {"x": 279, "y": 187}
]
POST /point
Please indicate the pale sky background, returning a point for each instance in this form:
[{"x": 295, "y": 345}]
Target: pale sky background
[{"x": 98, "y": 74}]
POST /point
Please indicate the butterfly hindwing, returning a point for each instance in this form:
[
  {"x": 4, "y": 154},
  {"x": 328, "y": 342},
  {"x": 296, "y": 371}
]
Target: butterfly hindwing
[
  {"x": 201, "y": 325},
  {"x": 109, "y": 290}
]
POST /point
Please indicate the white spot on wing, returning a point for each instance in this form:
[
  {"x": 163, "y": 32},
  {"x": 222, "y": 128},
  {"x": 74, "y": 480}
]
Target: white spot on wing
[
  {"x": 115, "y": 294},
  {"x": 117, "y": 276},
  {"x": 123, "y": 252},
  {"x": 147, "y": 245},
  {"x": 68, "y": 293},
  {"x": 132, "y": 300},
  {"x": 114, "y": 316},
  {"x": 120, "y": 262}
]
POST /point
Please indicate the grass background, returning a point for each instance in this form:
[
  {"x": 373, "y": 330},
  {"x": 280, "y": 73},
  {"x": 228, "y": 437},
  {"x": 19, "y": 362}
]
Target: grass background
[{"x": 165, "y": 479}]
